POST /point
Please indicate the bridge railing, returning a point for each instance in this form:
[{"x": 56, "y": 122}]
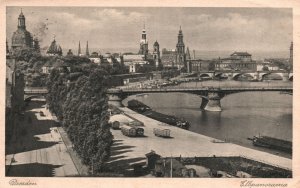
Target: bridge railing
[
  {"x": 207, "y": 89},
  {"x": 35, "y": 91}
]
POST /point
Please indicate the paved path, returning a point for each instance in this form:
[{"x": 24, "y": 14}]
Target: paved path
[
  {"x": 184, "y": 143},
  {"x": 41, "y": 152}
]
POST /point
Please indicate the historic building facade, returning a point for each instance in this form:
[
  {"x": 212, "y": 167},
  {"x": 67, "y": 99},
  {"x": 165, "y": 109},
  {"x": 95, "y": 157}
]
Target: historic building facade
[
  {"x": 237, "y": 61},
  {"x": 21, "y": 38}
]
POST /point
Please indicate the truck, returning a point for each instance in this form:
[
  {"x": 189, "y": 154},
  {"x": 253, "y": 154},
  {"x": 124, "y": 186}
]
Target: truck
[
  {"x": 128, "y": 130},
  {"x": 162, "y": 132},
  {"x": 138, "y": 129},
  {"x": 115, "y": 125},
  {"x": 136, "y": 123}
]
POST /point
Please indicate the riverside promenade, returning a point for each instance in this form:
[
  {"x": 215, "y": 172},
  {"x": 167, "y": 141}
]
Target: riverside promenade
[
  {"x": 40, "y": 150},
  {"x": 183, "y": 143}
]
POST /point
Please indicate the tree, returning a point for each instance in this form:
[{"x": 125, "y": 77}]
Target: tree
[
  {"x": 82, "y": 106},
  {"x": 25, "y": 54}
]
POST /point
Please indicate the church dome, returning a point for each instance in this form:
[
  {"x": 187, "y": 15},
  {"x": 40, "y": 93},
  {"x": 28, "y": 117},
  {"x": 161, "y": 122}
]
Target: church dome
[
  {"x": 156, "y": 43},
  {"x": 21, "y": 37},
  {"x": 54, "y": 49}
]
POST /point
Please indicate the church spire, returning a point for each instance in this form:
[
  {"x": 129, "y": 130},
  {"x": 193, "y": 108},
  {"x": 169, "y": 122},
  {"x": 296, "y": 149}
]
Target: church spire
[
  {"x": 79, "y": 49},
  {"x": 87, "y": 53}
]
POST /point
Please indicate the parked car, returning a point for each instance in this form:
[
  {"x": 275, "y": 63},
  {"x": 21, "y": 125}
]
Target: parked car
[
  {"x": 162, "y": 132},
  {"x": 115, "y": 125}
]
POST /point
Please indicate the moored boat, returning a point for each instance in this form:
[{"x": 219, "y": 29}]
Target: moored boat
[
  {"x": 140, "y": 107},
  {"x": 272, "y": 143}
]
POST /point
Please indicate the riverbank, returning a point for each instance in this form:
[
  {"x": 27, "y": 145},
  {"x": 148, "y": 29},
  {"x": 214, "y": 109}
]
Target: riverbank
[
  {"x": 244, "y": 115},
  {"x": 182, "y": 143}
]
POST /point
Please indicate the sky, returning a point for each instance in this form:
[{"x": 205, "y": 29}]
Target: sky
[{"x": 120, "y": 28}]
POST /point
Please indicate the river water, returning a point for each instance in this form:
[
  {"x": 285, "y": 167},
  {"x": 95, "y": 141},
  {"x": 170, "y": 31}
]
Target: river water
[{"x": 244, "y": 114}]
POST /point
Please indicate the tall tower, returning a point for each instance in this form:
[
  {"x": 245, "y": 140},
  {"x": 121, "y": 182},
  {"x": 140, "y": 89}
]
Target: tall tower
[
  {"x": 156, "y": 54},
  {"x": 144, "y": 43},
  {"x": 87, "y": 53},
  {"x": 79, "y": 49},
  {"x": 21, "y": 21},
  {"x": 180, "y": 48}
]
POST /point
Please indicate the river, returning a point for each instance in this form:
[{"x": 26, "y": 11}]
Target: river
[{"x": 244, "y": 114}]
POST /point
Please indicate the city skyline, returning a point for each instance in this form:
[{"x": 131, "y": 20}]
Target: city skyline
[{"x": 264, "y": 29}]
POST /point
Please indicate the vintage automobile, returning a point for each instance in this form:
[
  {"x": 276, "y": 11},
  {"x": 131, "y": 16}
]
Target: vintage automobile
[
  {"x": 115, "y": 125},
  {"x": 162, "y": 132}
]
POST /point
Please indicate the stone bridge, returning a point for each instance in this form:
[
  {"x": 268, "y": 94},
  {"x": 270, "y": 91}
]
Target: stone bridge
[
  {"x": 285, "y": 76},
  {"x": 211, "y": 96},
  {"x": 34, "y": 92}
]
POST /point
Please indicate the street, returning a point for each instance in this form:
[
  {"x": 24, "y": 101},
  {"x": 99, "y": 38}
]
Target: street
[{"x": 38, "y": 149}]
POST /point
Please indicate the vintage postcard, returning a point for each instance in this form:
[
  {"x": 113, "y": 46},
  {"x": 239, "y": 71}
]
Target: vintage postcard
[{"x": 140, "y": 94}]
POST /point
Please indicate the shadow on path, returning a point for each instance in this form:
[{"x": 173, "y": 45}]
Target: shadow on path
[
  {"x": 31, "y": 170},
  {"x": 28, "y": 129}
]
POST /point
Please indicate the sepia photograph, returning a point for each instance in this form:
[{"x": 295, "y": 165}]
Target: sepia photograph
[{"x": 158, "y": 92}]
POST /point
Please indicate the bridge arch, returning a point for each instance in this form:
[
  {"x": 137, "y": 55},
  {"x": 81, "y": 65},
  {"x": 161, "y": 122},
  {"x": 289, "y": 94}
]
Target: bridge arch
[
  {"x": 238, "y": 76},
  {"x": 274, "y": 75},
  {"x": 222, "y": 75},
  {"x": 29, "y": 97},
  {"x": 205, "y": 75}
]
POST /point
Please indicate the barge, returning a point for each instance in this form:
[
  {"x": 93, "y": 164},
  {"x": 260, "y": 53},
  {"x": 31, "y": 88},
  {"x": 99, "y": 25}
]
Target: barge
[
  {"x": 140, "y": 107},
  {"x": 272, "y": 143}
]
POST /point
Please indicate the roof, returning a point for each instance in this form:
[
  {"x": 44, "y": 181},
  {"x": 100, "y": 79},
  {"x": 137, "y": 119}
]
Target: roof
[
  {"x": 241, "y": 54},
  {"x": 54, "y": 48},
  {"x": 151, "y": 153},
  {"x": 156, "y": 43}
]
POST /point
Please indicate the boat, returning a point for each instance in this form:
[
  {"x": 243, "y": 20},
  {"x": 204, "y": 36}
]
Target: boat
[
  {"x": 141, "y": 95},
  {"x": 171, "y": 120},
  {"x": 272, "y": 143},
  {"x": 140, "y": 107},
  {"x": 218, "y": 141}
]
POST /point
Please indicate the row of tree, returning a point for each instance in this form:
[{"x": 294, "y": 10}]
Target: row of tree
[{"x": 79, "y": 100}]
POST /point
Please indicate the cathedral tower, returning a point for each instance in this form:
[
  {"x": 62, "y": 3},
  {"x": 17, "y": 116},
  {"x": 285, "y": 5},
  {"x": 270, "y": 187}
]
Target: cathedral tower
[
  {"x": 180, "y": 48},
  {"x": 144, "y": 43},
  {"x": 156, "y": 54}
]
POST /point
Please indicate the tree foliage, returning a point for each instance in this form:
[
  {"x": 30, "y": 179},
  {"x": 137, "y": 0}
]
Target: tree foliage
[{"x": 79, "y": 100}]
